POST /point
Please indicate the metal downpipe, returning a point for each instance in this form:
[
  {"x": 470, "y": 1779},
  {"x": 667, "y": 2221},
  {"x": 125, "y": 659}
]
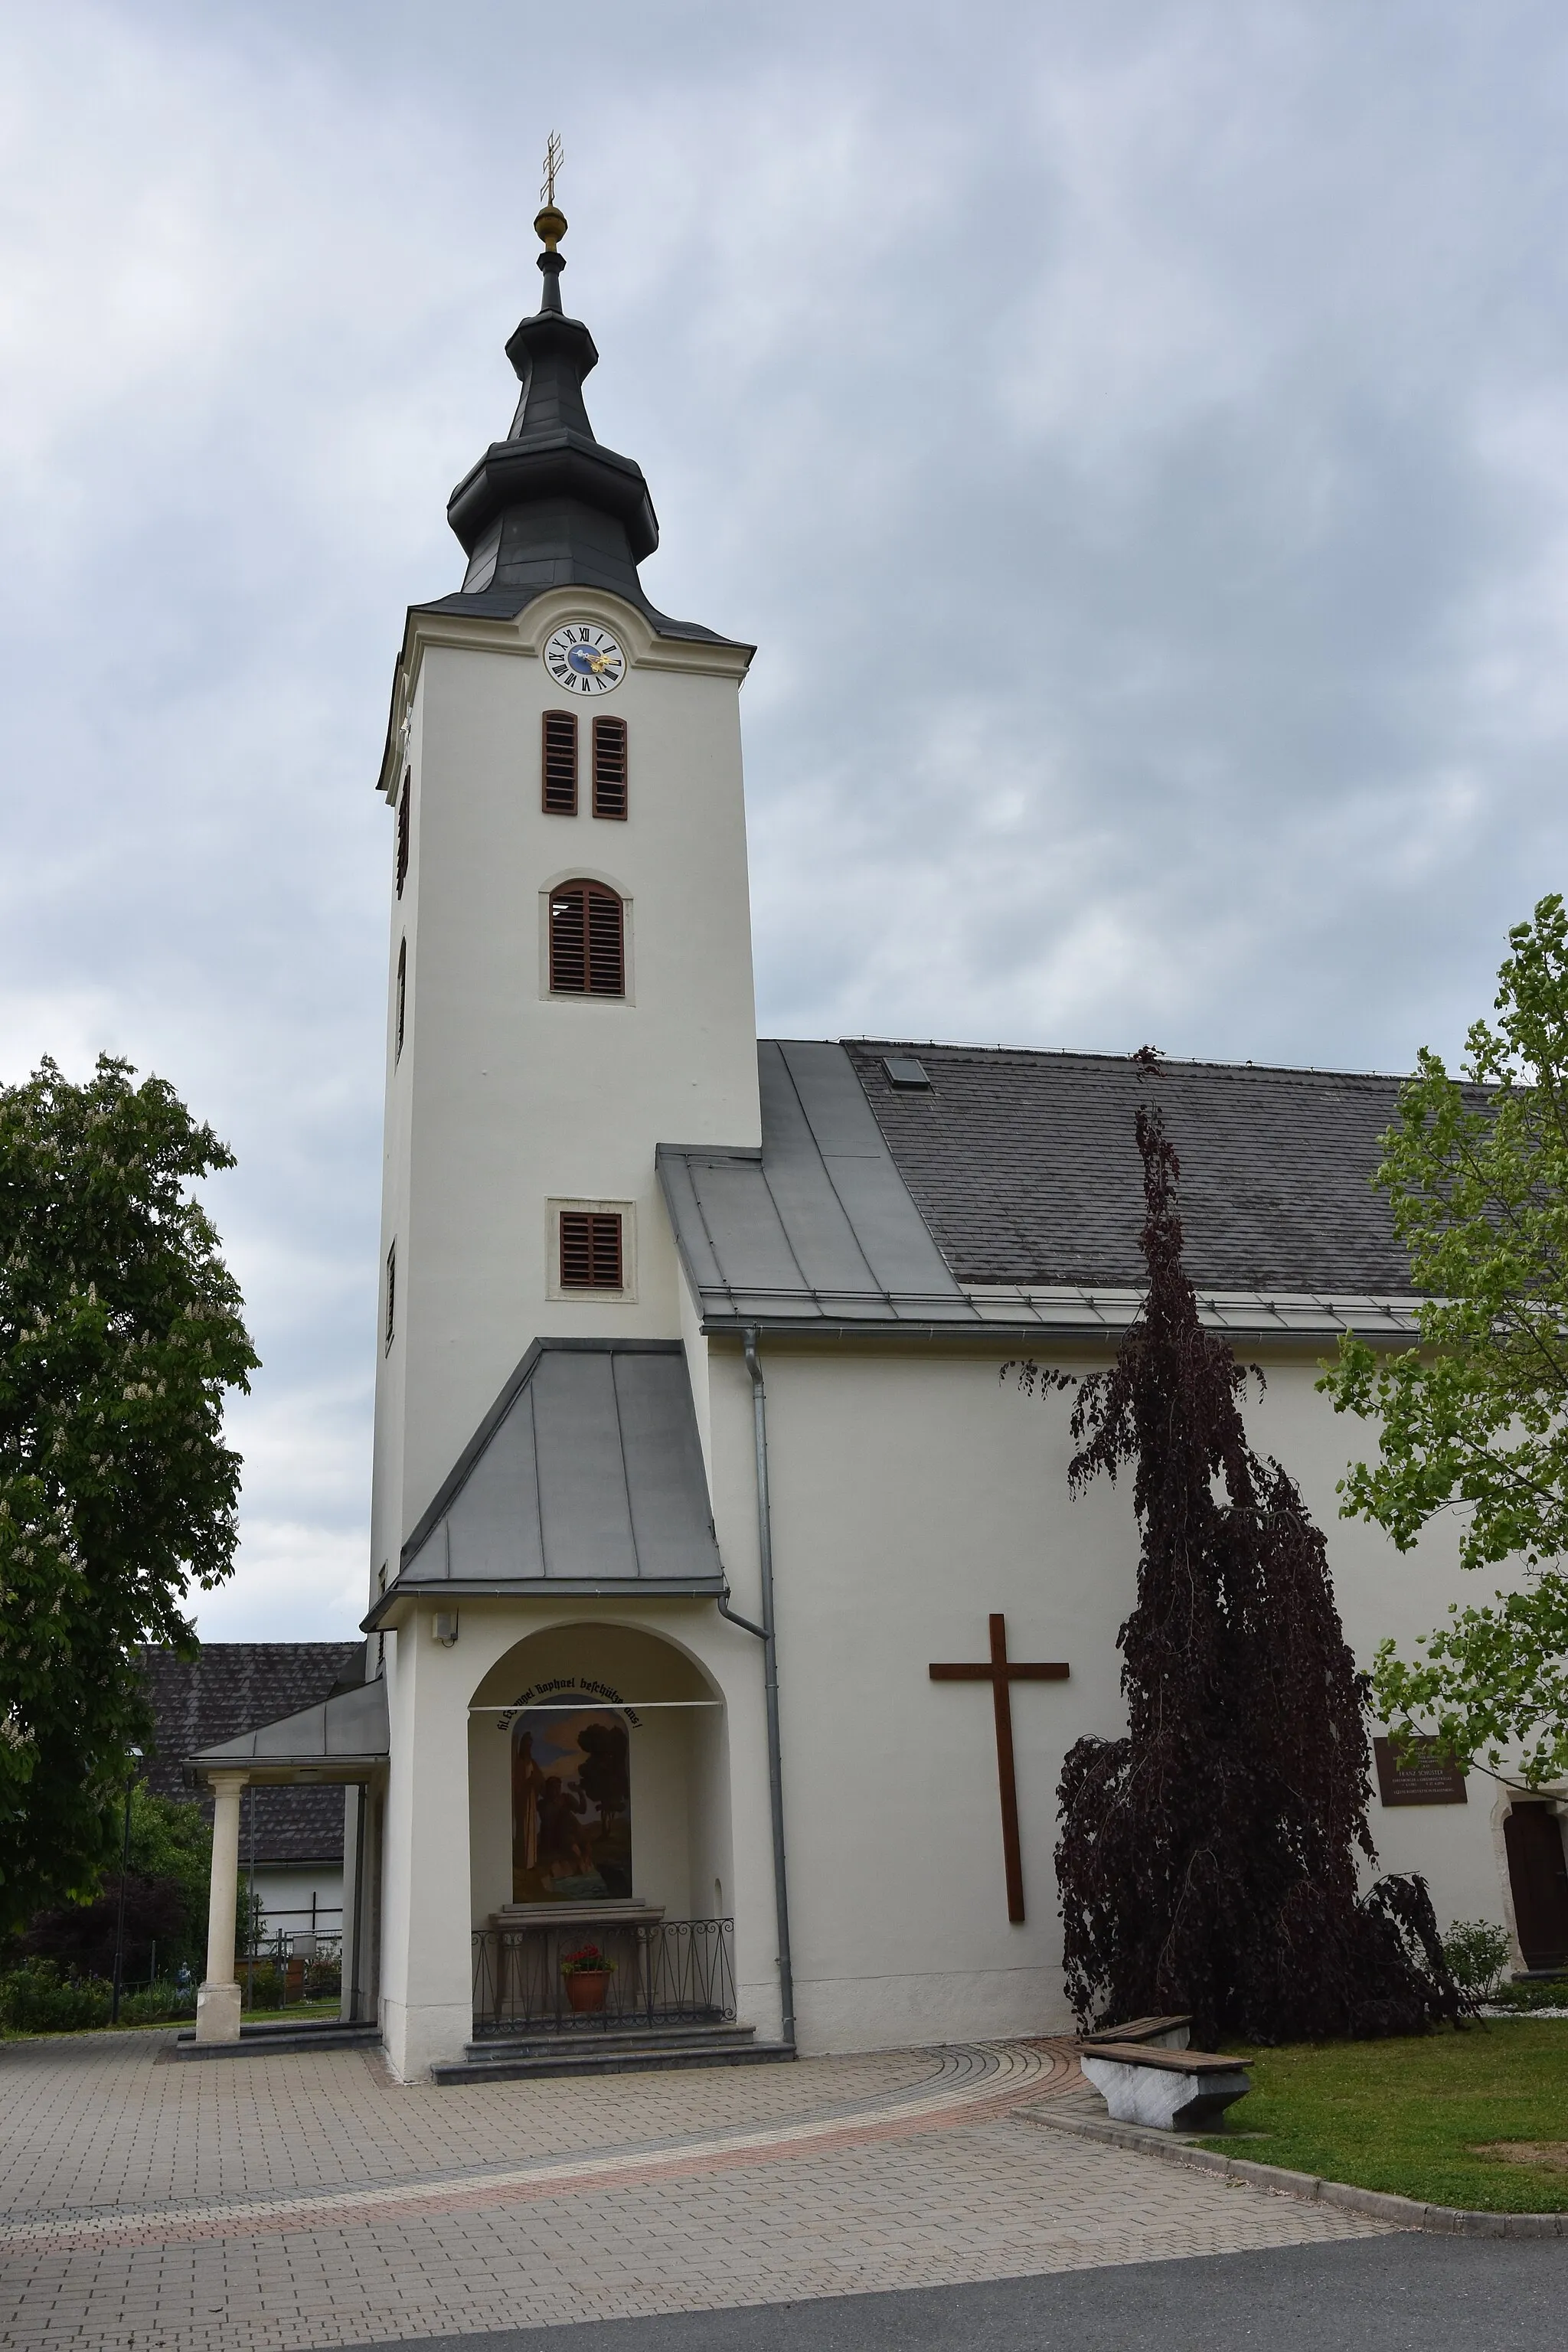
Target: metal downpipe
[{"x": 765, "y": 1634}]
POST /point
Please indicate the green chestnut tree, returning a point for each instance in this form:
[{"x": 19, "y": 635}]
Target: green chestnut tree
[
  {"x": 1474, "y": 1418},
  {"x": 120, "y": 1330}
]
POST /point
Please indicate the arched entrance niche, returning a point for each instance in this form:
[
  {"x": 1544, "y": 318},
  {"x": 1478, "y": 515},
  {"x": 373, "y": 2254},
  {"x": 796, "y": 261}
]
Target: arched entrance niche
[{"x": 598, "y": 1769}]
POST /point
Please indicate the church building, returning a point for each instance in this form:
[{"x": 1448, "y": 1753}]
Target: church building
[{"x": 728, "y": 1615}]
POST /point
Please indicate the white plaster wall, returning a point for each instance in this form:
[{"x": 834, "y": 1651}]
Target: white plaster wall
[
  {"x": 391, "y": 1365},
  {"x": 710, "y": 1851},
  {"x": 286, "y": 1893},
  {"x": 426, "y": 1983},
  {"x": 510, "y": 1098},
  {"x": 913, "y": 1493},
  {"x": 1383, "y": 1593}
]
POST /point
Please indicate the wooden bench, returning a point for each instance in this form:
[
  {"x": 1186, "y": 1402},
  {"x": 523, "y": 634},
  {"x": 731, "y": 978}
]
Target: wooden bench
[
  {"x": 1164, "y": 2032},
  {"x": 1167, "y": 2089}
]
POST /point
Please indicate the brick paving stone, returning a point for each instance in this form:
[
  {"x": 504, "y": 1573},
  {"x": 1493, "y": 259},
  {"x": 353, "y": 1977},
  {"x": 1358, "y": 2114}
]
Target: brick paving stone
[{"x": 711, "y": 2197}]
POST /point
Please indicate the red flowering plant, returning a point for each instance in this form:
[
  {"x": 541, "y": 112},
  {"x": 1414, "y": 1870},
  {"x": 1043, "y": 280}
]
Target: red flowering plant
[{"x": 587, "y": 1961}]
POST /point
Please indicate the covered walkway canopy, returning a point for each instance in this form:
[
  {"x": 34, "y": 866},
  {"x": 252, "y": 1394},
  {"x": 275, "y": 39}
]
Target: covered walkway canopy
[{"x": 342, "y": 1738}]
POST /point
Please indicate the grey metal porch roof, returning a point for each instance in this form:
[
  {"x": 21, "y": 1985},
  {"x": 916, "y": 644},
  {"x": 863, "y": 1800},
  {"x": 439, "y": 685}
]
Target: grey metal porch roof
[
  {"x": 585, "y": 1476},
  {"x": 819, "y": 1226},
  {"x": 342, "y": 1738}
]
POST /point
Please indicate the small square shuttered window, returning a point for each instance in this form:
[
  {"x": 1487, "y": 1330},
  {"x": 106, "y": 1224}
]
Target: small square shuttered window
[
  {"x": 587, "y": 941},
  {"x": 590, "y": 1250},
  {"x": 558, "y": 763},
  {"x": 610, "y": 767}
]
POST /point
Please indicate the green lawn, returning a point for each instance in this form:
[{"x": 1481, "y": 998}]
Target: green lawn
[
  {"x": 328, "y": 2007},
  {"x": 1416, "y": 2117},
  {"x": 299, "y": 2008}
]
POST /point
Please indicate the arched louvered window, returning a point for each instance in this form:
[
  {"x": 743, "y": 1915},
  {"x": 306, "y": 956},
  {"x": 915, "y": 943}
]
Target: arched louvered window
[
  {"x": 404, "y": 812},
  {"x": 558, "y": 764},
  {"x": 402, "y": 998},
  {"x": 609, "y": 767},
  {"x": 587, "y": 940}
]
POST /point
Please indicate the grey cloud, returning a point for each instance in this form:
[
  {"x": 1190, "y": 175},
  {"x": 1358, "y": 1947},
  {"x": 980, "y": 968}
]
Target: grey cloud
[{"x": 1134, "y": 435}]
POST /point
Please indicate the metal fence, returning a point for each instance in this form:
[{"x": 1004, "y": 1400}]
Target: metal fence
[
  {"x": 278, "y": 1932},
  {"x": 281, "y": 1963},
  {"x": 669, "y": 1972}
]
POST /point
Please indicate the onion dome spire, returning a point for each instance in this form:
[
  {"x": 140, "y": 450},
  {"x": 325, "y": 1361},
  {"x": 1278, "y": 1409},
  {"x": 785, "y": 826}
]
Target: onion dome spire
[{"x": 549, "y": 507}]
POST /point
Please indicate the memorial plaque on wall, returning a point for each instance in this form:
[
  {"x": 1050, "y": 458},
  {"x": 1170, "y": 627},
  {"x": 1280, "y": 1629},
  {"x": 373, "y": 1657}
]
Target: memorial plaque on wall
[{"x": 1419, "y": 1778}]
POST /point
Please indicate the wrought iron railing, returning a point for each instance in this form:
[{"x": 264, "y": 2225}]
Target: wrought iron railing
[{"x": 669, "y": 1972}]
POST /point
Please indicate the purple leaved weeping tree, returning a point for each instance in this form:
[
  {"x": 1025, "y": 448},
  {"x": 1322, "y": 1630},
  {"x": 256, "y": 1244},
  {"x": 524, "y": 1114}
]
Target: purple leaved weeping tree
[{"x": 1210, "y": 1860}]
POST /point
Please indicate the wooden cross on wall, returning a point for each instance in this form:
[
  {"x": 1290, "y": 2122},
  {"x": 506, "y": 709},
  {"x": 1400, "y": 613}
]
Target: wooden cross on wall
[{"x": 1001, "y": 1672}]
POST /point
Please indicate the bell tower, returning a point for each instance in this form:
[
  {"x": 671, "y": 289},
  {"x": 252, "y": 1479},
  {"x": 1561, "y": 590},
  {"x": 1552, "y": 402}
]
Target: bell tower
[{"x": 570, "y": 951}]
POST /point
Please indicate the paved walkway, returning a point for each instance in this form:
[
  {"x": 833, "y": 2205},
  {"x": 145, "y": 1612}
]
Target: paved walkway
[{"x": 303, "y": 2200}]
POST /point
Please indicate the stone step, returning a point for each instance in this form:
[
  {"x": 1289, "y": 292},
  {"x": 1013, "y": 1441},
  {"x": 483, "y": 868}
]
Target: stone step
[
  {"x": 260, "y": 2038},
  {"x": 545, "y": 2038},
  {"x": 631, "y": 2052}
]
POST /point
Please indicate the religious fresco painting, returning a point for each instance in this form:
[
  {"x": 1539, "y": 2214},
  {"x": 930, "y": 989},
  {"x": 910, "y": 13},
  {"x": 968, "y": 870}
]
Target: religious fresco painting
[{"x": 571, "y": 1805}]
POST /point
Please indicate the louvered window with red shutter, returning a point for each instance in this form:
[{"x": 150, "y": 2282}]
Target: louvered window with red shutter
[
  {"x": 609, "y": 767},
  {"x": 590, "y": 1250},
  {"x": 558, "y": 764},
  {"x": 587, "y": 941},
  {"x": 402, "y": 997}
]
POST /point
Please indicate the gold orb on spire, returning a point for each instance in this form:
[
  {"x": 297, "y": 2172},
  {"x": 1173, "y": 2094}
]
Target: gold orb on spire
[{"x": 550, "y": 225}]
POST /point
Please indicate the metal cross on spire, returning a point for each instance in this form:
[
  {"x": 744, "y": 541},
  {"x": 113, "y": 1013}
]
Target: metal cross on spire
[{"x": 554, "y": 156}]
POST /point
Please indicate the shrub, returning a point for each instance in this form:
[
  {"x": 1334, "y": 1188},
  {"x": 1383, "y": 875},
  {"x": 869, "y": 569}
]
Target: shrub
[
  {"x": 323, "y": 1977},
  {"x": 154, "y": 2004},
  {"x": 80, "y": 1937},
  {"x": 268, "y": 1985},
  {"x": 1477, "y": 1951},
  {"x": 36, "y": 1998},
  {"x": 1550, "y": 1994},
  {"x": 165, "y": 1897}
]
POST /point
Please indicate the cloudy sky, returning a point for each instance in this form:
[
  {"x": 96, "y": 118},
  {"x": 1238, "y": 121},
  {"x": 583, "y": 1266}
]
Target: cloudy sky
[{"x": 1134, "y": 432}]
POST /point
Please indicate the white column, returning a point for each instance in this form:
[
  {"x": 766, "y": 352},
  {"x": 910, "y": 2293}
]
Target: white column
[
  {"x": 217, "y": 2002},
  {"x": 428, "y": 2006}
]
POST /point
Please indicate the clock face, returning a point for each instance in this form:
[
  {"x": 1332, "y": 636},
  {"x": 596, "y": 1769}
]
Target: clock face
[{"x": 583, "y": 660}]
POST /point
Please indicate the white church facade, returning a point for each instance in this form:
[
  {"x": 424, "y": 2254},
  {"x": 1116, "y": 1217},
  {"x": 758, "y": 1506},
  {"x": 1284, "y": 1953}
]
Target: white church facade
[{"x": 693, "y": 1458}]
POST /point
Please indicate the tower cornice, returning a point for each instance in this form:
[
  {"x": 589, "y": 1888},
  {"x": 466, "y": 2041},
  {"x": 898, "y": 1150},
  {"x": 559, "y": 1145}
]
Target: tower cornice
[{"x": 522, "y": 635}]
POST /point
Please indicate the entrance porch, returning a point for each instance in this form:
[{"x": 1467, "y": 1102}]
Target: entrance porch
[{"x": 600, "y": 1856}]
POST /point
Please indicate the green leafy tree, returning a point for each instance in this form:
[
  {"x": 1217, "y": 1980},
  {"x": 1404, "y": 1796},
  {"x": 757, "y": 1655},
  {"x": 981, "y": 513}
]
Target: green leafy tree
[
  {"x": 120, "y": 1330},
  {"x": 1475, "y": 1418},
  {"x": 170, "y": 1840}
]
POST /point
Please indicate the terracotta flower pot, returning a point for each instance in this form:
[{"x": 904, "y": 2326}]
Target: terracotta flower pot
[{"x": 586, "y": 1988}]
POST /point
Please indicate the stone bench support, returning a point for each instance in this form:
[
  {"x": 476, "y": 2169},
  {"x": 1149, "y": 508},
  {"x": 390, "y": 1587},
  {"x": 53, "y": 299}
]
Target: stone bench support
[{"x": 1168, "y": 2090}]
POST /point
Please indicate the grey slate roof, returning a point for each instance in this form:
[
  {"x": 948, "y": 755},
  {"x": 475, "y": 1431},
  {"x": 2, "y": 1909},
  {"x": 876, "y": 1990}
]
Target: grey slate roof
[
  {"x": 584, "y": 1476},
  {"x": 1009, "y": 1192},
  {"x": 1024, "y": 1168},
  {"x": 226, "y": 1689}
]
